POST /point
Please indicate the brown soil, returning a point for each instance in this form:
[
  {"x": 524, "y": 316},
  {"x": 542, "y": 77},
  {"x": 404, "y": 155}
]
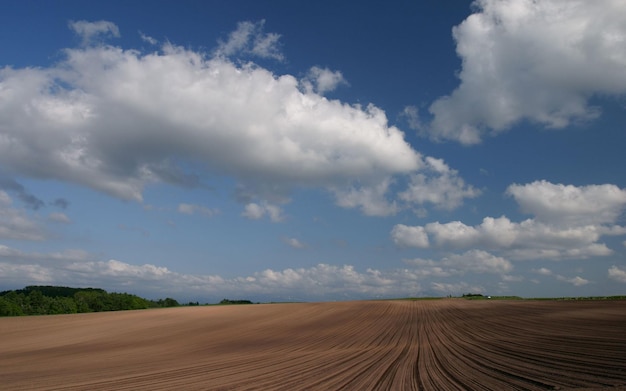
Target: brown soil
[{"x": 449, "y": 344}]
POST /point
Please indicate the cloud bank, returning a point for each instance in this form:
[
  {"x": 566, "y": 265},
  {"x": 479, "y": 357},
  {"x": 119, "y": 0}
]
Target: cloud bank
[
  {"x": 322, "y": 281},
  {"x": 568, "y": 223}
]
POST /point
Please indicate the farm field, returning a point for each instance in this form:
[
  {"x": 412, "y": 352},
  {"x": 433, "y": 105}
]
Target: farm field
[{"x": 447, "y": 344}]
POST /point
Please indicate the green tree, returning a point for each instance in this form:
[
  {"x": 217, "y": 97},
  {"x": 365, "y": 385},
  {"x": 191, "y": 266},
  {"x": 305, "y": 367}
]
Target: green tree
[
  {"x": 168, "y": 302},
  {"x": 62, "y": 305},
  {"x": 40, "y": 300},
  {"x": 37, "y": 303},
  {"x": 9, "y": 308},
  {"x": 90, "y": 301}
]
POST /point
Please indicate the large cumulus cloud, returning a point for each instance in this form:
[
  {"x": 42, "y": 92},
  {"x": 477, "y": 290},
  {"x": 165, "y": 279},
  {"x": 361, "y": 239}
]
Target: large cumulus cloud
[
  {"x": 116, "y": 120},
  {"x": 532, "y": 60}
]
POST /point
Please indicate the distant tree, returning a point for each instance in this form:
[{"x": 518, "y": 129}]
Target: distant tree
[
  {"x": 63, "y": 305},
  {"x": 37, "y": 303},
  {"x": 228, "y": 301},
  {"x": 91, "y": 301},
  {"x": 472, "y": 295},
  {"x": 9, "y": 308},
  {"x": 125, "y": 301},
  {"x": 168, "y": 302},
  {"x": 40, "y": 300},
  {"x": 57, "y": 291}
]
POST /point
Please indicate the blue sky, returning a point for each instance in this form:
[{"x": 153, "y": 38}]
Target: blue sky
[{"x": 287, "y": 150}]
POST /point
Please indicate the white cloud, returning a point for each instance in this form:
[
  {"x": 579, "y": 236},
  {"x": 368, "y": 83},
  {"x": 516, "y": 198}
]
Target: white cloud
[
  {"x": 5, "y": 199},
  {"x": 478, "y": 261},
  {"x": 576, "y": 281},
  {"x": 372, "y": 200},
  {"x": 25, "y": 274},
  {"x": 404, "y": 235},
  {"x": 570, "y": 222},
  {"x": 6, "y": 251},
  {"x": 413, "y": 119},
  {"x": 254, "y": 211},
  {"x": 192, "y": 209},
  {"x": 617, "y": 274},
  {"x": 511, "y": 278},
  {"x": 324, "y": 279},
  {"x": 88, "y": 31},
  {"x": 15, "y": 224},
  {"x": 148, "y": 39},
  {"x": 526, "y": 240},
  {"x": 124, "y": 270},
  {"x": 322, "y": 80},
  {"x": 535, "y": 60},
  {"x": 77, "y": 268},
  {"x": 442, "y": 187},
  {"x": 502, "y": 233},
  {"x": 472, "y": 261},
  {"x": 294, "y": 243},
  {"x": 58, "y": 217},
  {"x": 116, "y": 120},
  {"x": 70, "y": 255},
  {"x": 543, "y": 271},
  {"x": 430, "y": 268},
  {"x": 250, "y": 39},
  {"x": 558, "y": 203}
]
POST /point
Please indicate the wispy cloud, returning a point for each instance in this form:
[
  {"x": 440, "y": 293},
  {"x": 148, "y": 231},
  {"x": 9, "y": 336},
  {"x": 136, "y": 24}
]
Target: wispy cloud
[
  {"x": 472, "y": 261},
  {"x": 30, "y": 200},
  {"x": 576, "y": 281},
  {"x": 321, "y": 281},
  {"x": 59, "y": 218},
  {"x": 90, "y": 31},
  {"x": 192, "y": 209},
  {"x": 255, "y": 211},
  {"x": 250, "y": 39},
  {"x": 294, "y": 243},
  {"x": 439, "y": 185},
  {"x": 15, "y": 224},
  {"x": 322, "y": 80},
  {"x": 61, "y": 203}
]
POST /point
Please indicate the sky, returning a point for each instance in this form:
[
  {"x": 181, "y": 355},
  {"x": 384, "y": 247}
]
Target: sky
[{"x": 314, "y": 151}]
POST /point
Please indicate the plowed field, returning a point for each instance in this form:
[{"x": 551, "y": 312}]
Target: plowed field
[{"x": 449, "y": 344}]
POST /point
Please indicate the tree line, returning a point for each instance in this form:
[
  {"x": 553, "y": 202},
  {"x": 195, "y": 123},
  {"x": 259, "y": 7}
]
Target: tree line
[
  {"x": 229, "y": 301},
  {"x": 49, "y": 300}
]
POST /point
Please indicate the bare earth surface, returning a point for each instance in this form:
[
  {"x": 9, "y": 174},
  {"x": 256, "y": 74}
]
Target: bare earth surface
[{"x": 449, "y": 344}]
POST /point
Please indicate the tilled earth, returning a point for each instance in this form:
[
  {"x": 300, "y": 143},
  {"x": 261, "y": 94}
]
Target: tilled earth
[{"x": 448, "y": 344}]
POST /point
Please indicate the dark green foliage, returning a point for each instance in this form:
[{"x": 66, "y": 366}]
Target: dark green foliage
[
  {"x": 9, "y": 308},
  {"x": 478, "y": 296},
  {"x": 473, "y": 296},
  {"x": 168, "y": 302},
  {"x": 49, "y": 300},
  {"x": 227, "y": 301},
  {"x": 56, "y": 291}
]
